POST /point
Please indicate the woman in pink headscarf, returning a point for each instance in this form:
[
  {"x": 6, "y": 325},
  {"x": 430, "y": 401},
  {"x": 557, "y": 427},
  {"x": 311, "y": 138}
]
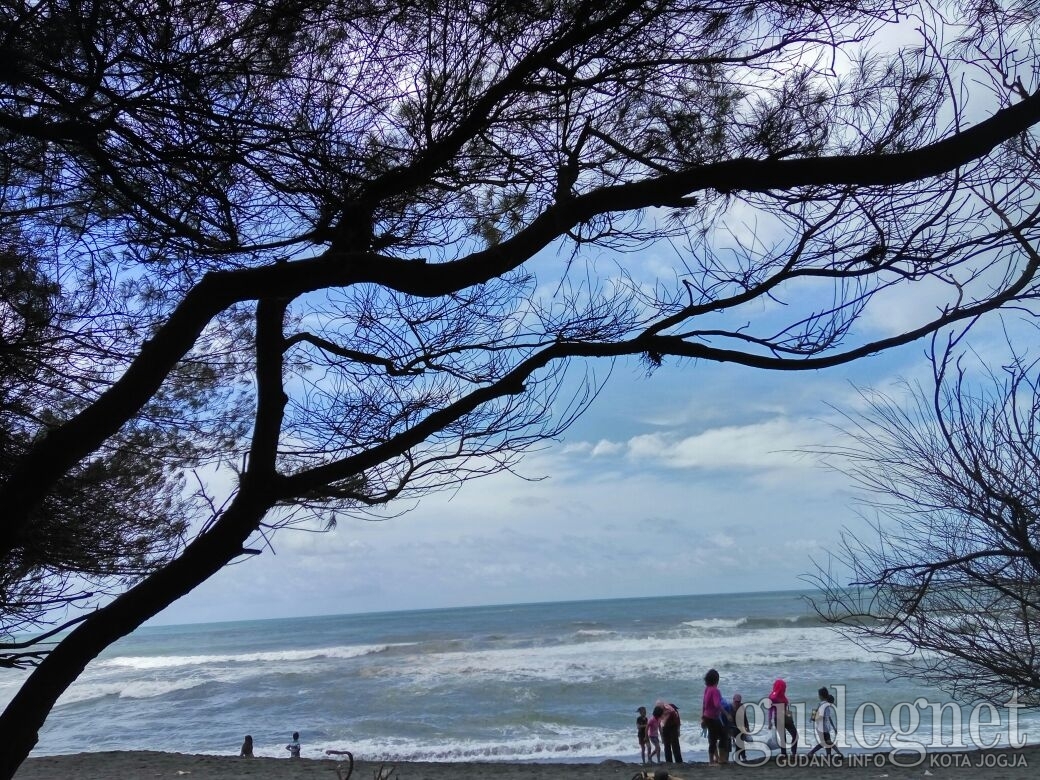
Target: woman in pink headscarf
[{"x": 781, "y": 709}]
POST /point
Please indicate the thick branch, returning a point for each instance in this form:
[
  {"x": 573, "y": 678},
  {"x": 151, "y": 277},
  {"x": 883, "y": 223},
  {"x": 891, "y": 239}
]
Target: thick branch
[
  {"x": 201, "y": 559},
  {"x": 270, "y": 394}
]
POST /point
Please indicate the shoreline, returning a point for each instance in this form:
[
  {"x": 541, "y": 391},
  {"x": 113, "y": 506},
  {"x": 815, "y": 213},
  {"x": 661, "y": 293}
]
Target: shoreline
[{"x": 997, "y": 764}]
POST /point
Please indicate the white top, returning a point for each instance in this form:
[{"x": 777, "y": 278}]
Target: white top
[{"x": 825, "y": 719}]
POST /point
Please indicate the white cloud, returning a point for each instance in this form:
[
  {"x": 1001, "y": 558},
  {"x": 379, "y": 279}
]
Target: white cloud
[
  {"x": 905, "y": 307},
  {"x": 604, "y": 447},
  {"x": 722, "y": 540},
  {"x": 772, "y": 444},
  {"x": 578, "y": 447}
]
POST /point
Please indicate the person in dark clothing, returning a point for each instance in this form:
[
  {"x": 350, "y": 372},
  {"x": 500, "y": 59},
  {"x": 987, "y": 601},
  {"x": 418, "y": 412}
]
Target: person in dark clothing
[
  {"x": 740, "y": 729},
  {"x": 644, "y": 743},
  {"x": 670, "y": 725}
]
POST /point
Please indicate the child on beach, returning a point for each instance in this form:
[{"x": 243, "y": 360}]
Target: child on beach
[
  {"x": 294, "y": 746},
  {"x": 641, "y": 723},
  {"x": 653, "y": 733},
  {"x": 825, "y": 719},
  {"x": 247, "y": 747}
]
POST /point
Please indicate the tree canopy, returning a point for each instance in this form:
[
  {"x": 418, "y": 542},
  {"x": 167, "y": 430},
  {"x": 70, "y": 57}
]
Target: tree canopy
[{"x": 348, "y": 249}]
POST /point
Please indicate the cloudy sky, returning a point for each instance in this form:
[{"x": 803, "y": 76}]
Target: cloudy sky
[
  {"x": 690, "y": 480},
  {"x": 686, "y": 481}
]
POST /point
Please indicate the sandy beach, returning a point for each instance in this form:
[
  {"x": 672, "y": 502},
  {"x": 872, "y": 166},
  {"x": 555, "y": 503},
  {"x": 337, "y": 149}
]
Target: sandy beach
[{"x": 129, "y": 765}]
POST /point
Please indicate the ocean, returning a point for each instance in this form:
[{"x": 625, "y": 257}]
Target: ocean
[{"x": 526, "y": 682}]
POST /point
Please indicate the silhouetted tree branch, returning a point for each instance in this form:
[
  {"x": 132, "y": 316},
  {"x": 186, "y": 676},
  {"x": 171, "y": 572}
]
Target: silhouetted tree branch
[{"x": 947, "y": 585}]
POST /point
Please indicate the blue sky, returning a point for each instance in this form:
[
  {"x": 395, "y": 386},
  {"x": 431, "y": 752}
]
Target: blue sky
[
  {"x": 686, "y": 481},
  {"x": 690, "y": 480}
]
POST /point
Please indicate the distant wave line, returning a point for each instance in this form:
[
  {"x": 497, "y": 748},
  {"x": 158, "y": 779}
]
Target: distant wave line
[{"x": 174, "y": 661}]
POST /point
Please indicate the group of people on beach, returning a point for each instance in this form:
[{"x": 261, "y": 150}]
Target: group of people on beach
[
  {"x": 293, "y": 747},
  {"x": 725, "y": 724},
  {"x": 662, "y": 726},
  {"x": 723, "y": 721}
]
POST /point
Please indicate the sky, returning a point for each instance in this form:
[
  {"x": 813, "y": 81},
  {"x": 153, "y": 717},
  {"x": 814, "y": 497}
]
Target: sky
[{"x": 690, "y": 480}]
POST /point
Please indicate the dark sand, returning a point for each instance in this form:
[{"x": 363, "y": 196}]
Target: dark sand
[{"x": 129, "y": 765}]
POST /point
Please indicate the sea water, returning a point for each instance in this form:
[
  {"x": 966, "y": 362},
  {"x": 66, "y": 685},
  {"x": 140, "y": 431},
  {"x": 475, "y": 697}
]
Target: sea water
[{"x": 530, "y": 682}]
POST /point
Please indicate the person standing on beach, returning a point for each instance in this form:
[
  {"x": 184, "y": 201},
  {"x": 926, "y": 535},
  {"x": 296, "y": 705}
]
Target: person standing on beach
[
  {"x": 824, "y": 717},
  {"x": 740, "y": 729},
  {"x": 725, "y": 737},
  {"x": 294, "y": 746},
  {"x": 670, "y": 725},
  {"x": 653, "y": 733},
  {"x": 641, "y": 724},
  {"x": 781, "y": 718},
  {"x": 247, "y": 746},
  {"x": 711, "y": 716}
]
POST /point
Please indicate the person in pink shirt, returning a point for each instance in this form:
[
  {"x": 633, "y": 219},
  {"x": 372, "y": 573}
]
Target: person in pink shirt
[
  {"x": 653, "y": 733},
  {"x": 711, "y": 712},
  {"x": 781, "y": 709}
]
